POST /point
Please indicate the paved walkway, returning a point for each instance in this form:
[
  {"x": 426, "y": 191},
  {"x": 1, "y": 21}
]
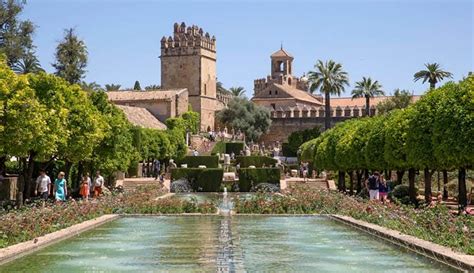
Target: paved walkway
[{"x": 132, "y": 183}]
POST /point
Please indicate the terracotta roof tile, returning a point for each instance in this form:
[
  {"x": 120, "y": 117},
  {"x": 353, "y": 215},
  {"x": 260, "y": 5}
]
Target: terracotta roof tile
[
  {"x": 299, "y": 94},
  {"x": 143, "y": 95},
  {"x": 141, "y": 117},
  {"x": 281, "y": 53}
]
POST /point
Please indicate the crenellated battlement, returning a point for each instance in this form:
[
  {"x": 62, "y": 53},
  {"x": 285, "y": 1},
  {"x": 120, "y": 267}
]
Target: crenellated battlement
[
  {"x": 315, "y": 112},
  {"x": 187, "y": 39}
]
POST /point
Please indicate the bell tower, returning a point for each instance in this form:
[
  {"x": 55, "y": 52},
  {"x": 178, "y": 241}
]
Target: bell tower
[{"x": 282, "y": 63}]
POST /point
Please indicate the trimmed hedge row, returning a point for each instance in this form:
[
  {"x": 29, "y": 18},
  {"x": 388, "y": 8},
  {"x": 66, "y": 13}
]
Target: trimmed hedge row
[
  {"x": 209, "y": 161},
  {"x": 249, "y": 177},
  {"x": 235, "y": 147},
  {"x": 257, "y": 161},
  {"x": 202, "y": 180}
]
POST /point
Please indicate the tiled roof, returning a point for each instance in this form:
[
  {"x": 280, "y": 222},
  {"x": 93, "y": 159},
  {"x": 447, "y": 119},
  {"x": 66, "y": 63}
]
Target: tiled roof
[
  {"x": 299, "y": 94},
  {"x": 141, "y": 117},
  {"x": 143, "y": 95},
  {"x": 360, "y": 102},
  {"x": 281, "y": 53}
]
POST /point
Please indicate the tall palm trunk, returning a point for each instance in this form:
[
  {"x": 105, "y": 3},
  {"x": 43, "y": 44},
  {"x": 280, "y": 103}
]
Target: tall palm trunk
[
  {"x": 411, "y": 185},
  {"x": 432, "y": 85},
  {"x": 462, "y": 188},
  {"x": 327, "y": 110},
  {"x": 367, "y": 106}
]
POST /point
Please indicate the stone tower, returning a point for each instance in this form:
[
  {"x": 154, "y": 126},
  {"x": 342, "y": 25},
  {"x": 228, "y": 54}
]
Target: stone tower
[{"x": 188, "y": 60}]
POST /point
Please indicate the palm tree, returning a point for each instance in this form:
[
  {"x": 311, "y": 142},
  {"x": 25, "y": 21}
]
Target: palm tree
[
  {"x": 112, "y": 87},
  {"x": 237, "y": 91},
  {"x": 329, "y": 78},
  {"x": 152, "y": 87},
  {"x": 93, "y": 86},
  {"x": 28, "y": 64},
  {"x": 433, "y": 74},
  {"x": 367, "y": 89}
]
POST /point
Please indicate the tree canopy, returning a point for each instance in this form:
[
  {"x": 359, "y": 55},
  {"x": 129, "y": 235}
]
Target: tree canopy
[
  {"x": 71, "y": 57},
  {"x": 251, "y": 119}
]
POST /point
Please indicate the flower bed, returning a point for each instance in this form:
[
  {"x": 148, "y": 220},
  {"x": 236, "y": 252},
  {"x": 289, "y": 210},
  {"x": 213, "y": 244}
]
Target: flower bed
[
  {"x": 34, "y": 221},
  {"x": 432, "y": 224}
]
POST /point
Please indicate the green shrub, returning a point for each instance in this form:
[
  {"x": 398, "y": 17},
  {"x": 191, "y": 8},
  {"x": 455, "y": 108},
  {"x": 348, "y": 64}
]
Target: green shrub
[
  {"x": 218, "y": 148},
  {"x": 249, "y": 177},
  {"x": 287, "y": 150},
  {"x": 257, "y": 161},
  {"x": 209, "y": 161},
  {"x": 401, "y": 194},
  {"x": 235, "y": 147},
  {"x": 202, "y": 180}
]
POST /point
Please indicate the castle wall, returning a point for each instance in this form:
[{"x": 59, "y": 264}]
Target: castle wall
[{"x": 281, "y": 128}]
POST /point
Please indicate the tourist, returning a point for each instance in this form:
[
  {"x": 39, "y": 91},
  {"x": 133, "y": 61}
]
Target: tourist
[
  {"x": 156, "y": 168},
  {"x": 195, "y": 152},
  {"x": 372, "y": 185},
  {"x": 85, "y": 188},
  {"x": 232, "y": 155},
  {"x": 89, "y": 182},
  {"x": 60, "y": 188},
  {"x": 383, "y": 190},
  {"x": 43, "y": 186},
  {"x": 98, "y": 184},
  {"x": 172, "y": 165}
]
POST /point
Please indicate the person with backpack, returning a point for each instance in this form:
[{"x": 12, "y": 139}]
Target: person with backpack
[{"x": 372, "y": 185}]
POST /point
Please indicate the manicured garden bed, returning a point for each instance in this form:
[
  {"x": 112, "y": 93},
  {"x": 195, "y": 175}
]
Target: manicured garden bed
[
  {"x": 435, "y": 224},
  {"x": 33, "y": 221},
  {"x": 257, "y": 161},
  {"x": 201, "y": 179},
  {"x": 250, "y": 177}
]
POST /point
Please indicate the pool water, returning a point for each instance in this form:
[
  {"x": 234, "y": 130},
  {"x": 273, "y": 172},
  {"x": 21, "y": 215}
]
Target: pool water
[{"x": 224, "y": 244}]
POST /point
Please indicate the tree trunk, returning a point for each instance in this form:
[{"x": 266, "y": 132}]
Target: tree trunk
[
  {"x": 80, "y": 171},
  {"x": 359, "y": 181},
  {"x": 445, "y": 185},
  {"x": 462, "y": 189},
  {"x": 67, "y": 170},
  {"x": 29, "y": 175},
  {"x": 367, "y": 106},
  {"x": 411, "y": 185},
  {"x": 21, "y": 183},
  {"x": 327, "y": 109},
  {"x": 341, "y": 181},
  {"x": 351, "y": 182},
  {"x": 366, "y": 174},
  {"x": 428, "y": 194},
  {"x": 3, "y": 167},
  {"x": 400, "y": 174}
]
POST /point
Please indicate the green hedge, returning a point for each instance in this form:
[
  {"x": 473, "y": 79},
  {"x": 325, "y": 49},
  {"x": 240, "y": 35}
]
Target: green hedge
[
  {"x": 202, "y": 180},
  {"x": 287, "y": 150},
  {"x": 209, "y": 161},
  {"x": 257, "y": 161},
  {"x": 235, "y": 147},
  {"x": 218, "y": 148},
  {"x": 252, "y": 177}
]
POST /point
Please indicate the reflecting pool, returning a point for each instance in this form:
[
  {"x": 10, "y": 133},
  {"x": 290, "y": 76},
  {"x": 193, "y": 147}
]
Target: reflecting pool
[{"x": 224, "y": 244}]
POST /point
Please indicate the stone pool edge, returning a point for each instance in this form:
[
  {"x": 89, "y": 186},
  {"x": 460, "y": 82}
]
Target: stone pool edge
[
  {"x": 428, "y": 249},
  {"x": 19, "y": 250}
]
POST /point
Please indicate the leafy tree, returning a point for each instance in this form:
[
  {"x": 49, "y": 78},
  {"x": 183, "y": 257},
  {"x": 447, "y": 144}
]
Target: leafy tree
[
  {"x": 23, "y": 125},
  {"x": 296, "y": 139},
  {"x": 27, "y": 64},
  {"x": 237, "y": 91},
  {"x": 453, "y": 129},
  {"x": 137, "y": 86},
  {"x": 115, "y": 151},
  {"x": 367, "y": 88},
  {"x": 330, "y": 78},
  {"x": 71, "y": 57},
  {"x": 152, "y": 87},
  {"x": 112, "y": 87},
  {"x": 92, "y": 86},
  {"x": 251, "y": 119},
  {"x": 16, "y": 41},
  {"x": 400, "y": 99},
  {"x": 432, "y": 74}
]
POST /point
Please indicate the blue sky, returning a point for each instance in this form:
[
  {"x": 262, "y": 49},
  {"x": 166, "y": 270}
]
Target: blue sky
[{"x": 386, "y": 40}]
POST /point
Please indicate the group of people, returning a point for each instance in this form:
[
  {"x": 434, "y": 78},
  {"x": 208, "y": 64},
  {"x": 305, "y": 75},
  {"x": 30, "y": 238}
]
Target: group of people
[
  {"x": 44, "y": 187},
  {"x": 377, "y": 187}
]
